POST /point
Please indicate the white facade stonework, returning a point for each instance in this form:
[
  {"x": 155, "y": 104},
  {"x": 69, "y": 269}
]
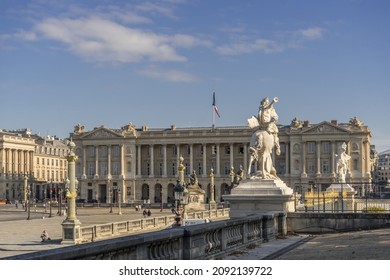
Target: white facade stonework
[
  {"x": 141, "y": 164},
  {"x": 41, "y": 159}
]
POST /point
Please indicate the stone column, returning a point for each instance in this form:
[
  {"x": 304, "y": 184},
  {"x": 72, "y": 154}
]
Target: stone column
[
  {"x": 231, "y": 155},
  {"x": 21, "y": 162},
  {"x": 84, "y": 162},
  {"x": 13, "y": 152},
  {"x": 304, "y": 159},
  {"x": 151, "y": 156},
  {"x": 9, "y": 161},
  {"x": 318, "y": 156},
  {"x": 245, "y": 158},
  {"x": 218, "y": 171},
  {"x": 204, "y": 160},
  {"x": 165, "y": 160},
  {"x": 177, "y": 159},
  {"x": 333, "y": 163},
  {"x": 2, "y": 167},
  {"x": 109, "y": 160},
  {"x": 139, "y": 151},
  {"x": 287, "y": 162},
  {"x": 96, "y": 161},
  {"x": 368, "y": 157},
  {"x": 123, "y": 164},
  {"x": 191, "y": 157}
]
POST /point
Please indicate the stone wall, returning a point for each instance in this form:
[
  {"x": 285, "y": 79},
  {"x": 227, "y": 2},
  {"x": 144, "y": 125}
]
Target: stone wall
[
  {"x": 204, "y": 241},
  {"x": 335, "y": 222}
]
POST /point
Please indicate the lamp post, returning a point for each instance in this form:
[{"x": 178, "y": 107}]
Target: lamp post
[
  {"x": 71, "y": 225},
  {"x": 181, "y": 194},
  {"x": 119, "y": 201},
  {"x": 27, "y": 196},
  {"x": 110, "y": 198},
  {"x": 25, "y": 192},
  {"x": 45, "y": 200},
  {"x": 212, "y": 186},
  {"x": 51, "y": 194}
]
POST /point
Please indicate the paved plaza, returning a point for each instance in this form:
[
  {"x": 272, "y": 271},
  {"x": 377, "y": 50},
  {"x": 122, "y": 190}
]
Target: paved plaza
[{"x": 21, "y": 236}]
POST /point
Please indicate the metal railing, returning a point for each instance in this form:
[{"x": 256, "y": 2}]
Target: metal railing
[{"x": 345, "y": 197}]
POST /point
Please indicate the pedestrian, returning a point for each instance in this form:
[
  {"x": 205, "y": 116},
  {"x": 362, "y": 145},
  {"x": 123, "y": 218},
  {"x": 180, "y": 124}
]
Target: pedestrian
[
  {"x": 16, "y": 204},
  {"x": 149, "y": 213},
  {"x": 145, "y": 213},
  {"x": 45, "y": 236}
]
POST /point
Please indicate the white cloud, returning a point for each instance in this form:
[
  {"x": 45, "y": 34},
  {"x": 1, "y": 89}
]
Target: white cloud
[
  {"x": 99, "y": 39},
  {"x": 288, "y": 41},
  {"x": 168, "y": 75},
  {"x": 266, "y": 46},
  {"x": 312, "y": 33}
]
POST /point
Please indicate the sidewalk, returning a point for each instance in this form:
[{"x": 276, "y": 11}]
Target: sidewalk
[{"x": 20, "y": 236}]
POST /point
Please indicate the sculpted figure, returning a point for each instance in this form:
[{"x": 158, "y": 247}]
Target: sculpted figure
[
  {"x": 193, "y": 178},
  {"x": 264, "y": 139},
  {"x": 342, "y": 163}
]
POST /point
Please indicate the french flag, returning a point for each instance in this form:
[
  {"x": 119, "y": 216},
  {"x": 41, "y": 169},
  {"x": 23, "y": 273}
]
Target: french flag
[{"x": 215, "y": 106}]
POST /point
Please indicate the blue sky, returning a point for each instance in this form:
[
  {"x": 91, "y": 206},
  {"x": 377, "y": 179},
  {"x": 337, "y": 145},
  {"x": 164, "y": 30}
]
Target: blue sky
[{"x": 157, "y": 63}]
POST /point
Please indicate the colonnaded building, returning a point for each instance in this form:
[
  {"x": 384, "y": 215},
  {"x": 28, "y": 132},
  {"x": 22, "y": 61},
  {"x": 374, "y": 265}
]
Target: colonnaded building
[
  {"x": 40, "y": 159},
  {"x": 132, "y": 164}
]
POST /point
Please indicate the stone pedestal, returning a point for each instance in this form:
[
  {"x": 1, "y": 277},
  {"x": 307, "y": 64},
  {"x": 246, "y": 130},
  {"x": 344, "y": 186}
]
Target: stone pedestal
[
  {"x": 71, "y": 232},
  {"x": 256, "y": 195},
  {"x": 346, "y": 197},
  {"x": 196, "y": 198}
]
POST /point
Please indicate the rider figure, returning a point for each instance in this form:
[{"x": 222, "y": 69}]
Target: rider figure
[{"x": 268, "y": 120}]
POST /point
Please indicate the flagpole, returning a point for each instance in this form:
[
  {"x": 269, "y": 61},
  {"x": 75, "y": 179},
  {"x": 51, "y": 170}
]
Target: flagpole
[{"x": 213, "y": 112}]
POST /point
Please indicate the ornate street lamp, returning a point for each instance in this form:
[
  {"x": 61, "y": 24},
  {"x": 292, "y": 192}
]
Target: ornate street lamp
[
  {"x": 119, "y": 201},
  {"x": 212, "y": 191},
  {"x": 51, "y": 195},
  {"x": 71, "y": 225},
  {"x": 181, "y": 194}
]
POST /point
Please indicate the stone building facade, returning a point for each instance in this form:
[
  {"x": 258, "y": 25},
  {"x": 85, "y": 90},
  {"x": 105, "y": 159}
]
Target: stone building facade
[
  {"x": 131, "y": 164},
  {"x": 41, "y": 159}
]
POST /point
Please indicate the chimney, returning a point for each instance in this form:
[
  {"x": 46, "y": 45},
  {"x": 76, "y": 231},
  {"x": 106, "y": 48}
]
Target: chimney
[
  {"x": 145, "y": 128},
  {"x": 333, "y": 122},
  {"x": 173, "y": 127},
  {"x": 306, "y": 124}
]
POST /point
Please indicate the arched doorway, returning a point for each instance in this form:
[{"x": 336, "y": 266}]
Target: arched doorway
[
  {"x": 145, "y": 192},
  {"x": 225, "y": 189},
  {"x": 171, "y": 194},
  {"x": 157, "y": 193}
]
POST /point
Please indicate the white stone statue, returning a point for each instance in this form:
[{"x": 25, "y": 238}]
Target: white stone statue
[
  {"x": 264, "y": 140},
  {"x": 342, "y": 163}
]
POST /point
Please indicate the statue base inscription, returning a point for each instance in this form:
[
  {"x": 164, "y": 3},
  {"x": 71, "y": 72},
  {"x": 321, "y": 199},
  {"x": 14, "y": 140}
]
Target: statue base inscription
[{"x": 256, "y": 195}]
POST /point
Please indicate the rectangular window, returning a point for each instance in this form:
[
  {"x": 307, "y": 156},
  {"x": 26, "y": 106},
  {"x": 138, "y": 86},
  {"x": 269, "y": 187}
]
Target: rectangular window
[
  {"x": 116, "y": 151},
  {"x": 103, "y": 151},
  {"x": 311, "y": 167},
  {"x": 325, "y": 147},
  {"x": 227, "y": 150},
  {"x": 103, "y": 168},
  {"x": 91, "y": 151},
  {"x": 174, "y": 150},
  {"x": 241, "y": 150},
  {"x": 227, "y": 168},
  {"x": 311, "y": 147},
  {"x": 214, "y": 149},
  {"x": 91, "y": 168},
  {"x": 325, "y": 166},
  {"x": 116, "y": 167},
  {"x": 282, "y": 149}
]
